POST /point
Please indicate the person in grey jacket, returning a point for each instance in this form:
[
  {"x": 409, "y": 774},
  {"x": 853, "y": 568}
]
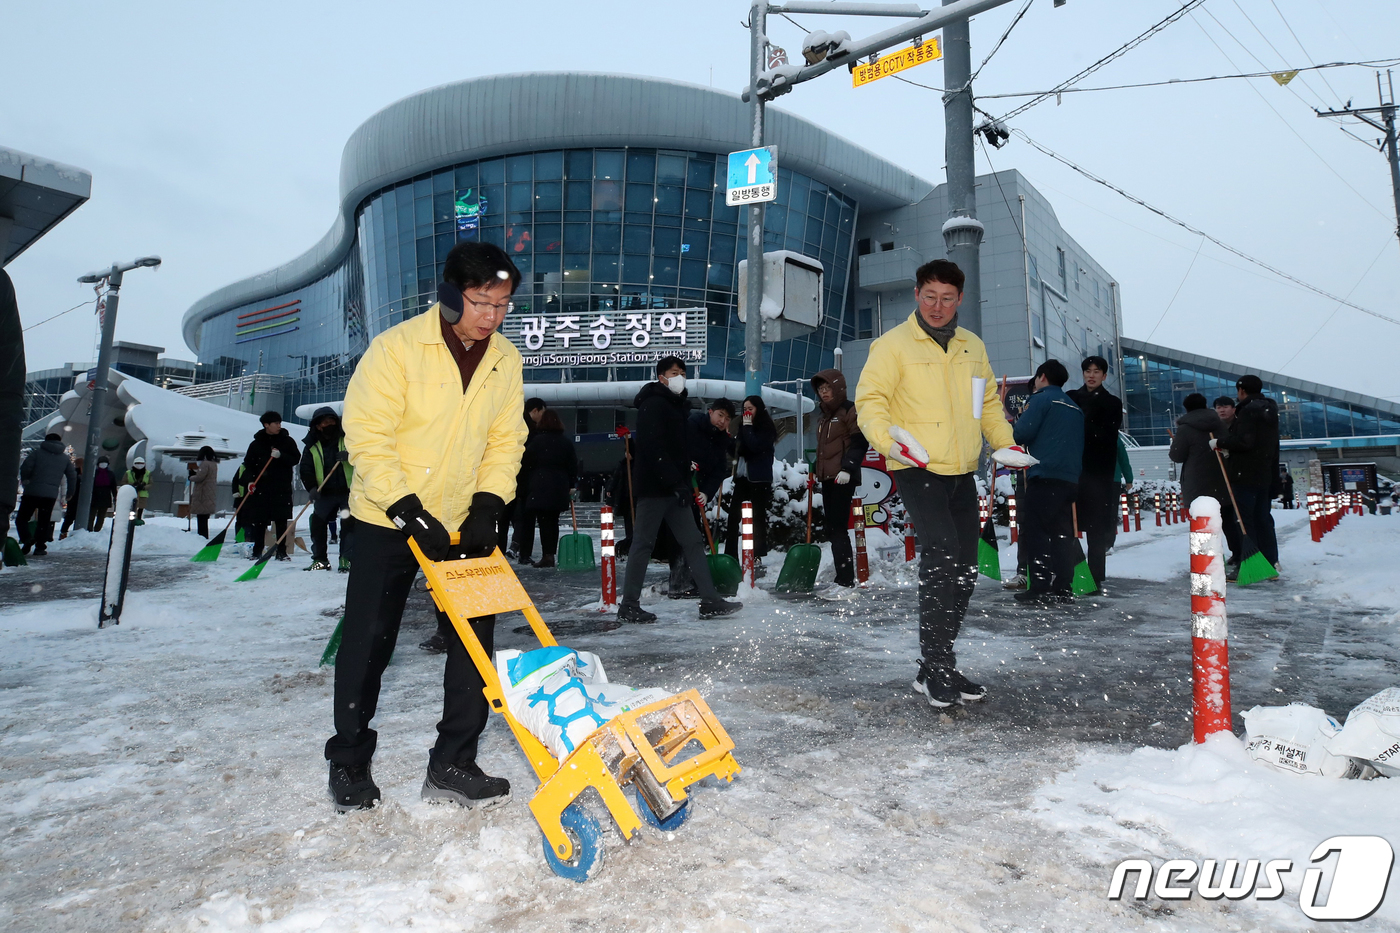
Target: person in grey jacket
[
  {"x": 41, "y": 473},
  {"x": 204, "y": 474},
  {"x": 1200, "y": 471},
  {"x": 1052, "y": 430}
]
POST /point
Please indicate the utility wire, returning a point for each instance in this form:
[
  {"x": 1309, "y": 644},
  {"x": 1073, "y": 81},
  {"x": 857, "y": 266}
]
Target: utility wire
[
  {"x": 1199, "y": 232},
  {"x": 1116, "y": 53},
  {"x": 1191, "y": 265},
  {"x": 1285, "y": 122},
  {"x": 1270, "y": 44},
  {"x": 999, "y": 43},
  {"x": 57, "y": 316},
  {"x": 1226, "y": 29},
  {"x": 1384, "y": 246},
  {"x": 1289, "y": 27}
]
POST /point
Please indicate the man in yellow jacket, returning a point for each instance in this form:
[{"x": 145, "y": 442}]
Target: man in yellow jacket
[
  {"x": 433, "y": 431},
  {"x": 926, "y": 400}
]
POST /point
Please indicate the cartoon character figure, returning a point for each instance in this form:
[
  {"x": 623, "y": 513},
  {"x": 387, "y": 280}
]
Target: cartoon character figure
[{"x": 876, "y": 485}]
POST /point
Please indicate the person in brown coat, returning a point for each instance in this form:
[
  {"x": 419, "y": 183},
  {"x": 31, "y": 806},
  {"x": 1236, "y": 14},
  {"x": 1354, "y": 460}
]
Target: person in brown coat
[
  {"x": 204, "y": 477},
  {"x": 841, "y": 448}
]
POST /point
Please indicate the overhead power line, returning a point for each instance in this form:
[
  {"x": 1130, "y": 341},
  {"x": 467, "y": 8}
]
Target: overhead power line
[
  {"x": 1376, "y": 63},
  {"x": 58, "y": 315},
  {"x": 1199, "y": 232},
  {"x": 997, "y": 47},
  {"x": 1116, "y": 53}
]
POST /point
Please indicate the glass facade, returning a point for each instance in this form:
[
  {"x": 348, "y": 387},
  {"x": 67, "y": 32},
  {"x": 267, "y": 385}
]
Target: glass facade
[
  {"x": 1155, "y": 387},
  {"x": 592, "y": 230}
]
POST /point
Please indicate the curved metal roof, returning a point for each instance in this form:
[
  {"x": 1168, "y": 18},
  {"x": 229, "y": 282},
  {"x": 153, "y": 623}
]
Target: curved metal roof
[{"x": 486, "y": 117}]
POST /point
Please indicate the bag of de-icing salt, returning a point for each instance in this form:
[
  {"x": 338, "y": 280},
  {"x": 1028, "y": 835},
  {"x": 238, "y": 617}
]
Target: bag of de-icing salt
[
  {"x": 562, "y": 696},
  {"x": 1372, "y": 733},
  {"x": 1294, "y": 738}
]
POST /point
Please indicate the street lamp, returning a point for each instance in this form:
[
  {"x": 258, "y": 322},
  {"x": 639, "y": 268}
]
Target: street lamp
[{"x": 113, "y": 279}]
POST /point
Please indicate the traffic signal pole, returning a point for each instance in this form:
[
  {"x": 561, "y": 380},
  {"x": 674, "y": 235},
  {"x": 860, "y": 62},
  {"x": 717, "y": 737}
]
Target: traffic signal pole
[
  {"x": 1386, "y": 124},
  {"x": 98, "y": 397},
  {"x": 753, "y": 326},
  {"x": 962, "y": 234}
]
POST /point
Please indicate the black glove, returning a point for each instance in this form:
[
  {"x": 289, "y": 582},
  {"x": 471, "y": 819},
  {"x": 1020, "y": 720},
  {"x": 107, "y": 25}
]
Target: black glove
[
  {"x": 418, "y": 523},
  {"x": 479, "y": 529}
]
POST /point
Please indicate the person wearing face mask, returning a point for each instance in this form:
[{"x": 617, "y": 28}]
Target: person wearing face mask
[
  {"x": 664, "y": 494},
  {"x": 270, "y": 498},
  {"x": 753, "y": 478},
  {"x": 324, "y": 447},
  {"x": 104, "y": 486}
]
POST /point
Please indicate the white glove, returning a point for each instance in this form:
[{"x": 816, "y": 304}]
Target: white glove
[
  {"x": 700, "y": 499},
  {"x": 276, "y": 452},
  {"x": 843, "y": 478},
  {"x": 1014, "y": 457},
  {"x": 906, "y": 449},
  {"x": 1212, "y": 443}
]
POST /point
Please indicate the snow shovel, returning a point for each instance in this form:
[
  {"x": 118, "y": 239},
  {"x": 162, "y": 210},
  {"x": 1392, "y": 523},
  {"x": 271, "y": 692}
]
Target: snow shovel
[
  {"x": 724, "y": 569},
  {"x": 799, "y": 573},
  {"x": 333, "y": 646},
  {"x": 1254, "y": 566},
  {"x": 1084, "y": 582},
  {"x": 215, "y": 547},
  {"x": 988, "y": 561},
  {"x": 14, "y": 557},
  {"x": 575, "y": 550},
  {"x": 253, "y": 572}
]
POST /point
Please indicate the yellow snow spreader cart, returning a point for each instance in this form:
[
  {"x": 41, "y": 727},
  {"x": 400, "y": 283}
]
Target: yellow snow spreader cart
[{"x": 642, "y": 746}]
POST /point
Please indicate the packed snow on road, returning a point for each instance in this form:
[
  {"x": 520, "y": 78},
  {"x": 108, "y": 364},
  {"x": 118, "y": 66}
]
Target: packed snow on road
[{"x": 168, "y": 773}]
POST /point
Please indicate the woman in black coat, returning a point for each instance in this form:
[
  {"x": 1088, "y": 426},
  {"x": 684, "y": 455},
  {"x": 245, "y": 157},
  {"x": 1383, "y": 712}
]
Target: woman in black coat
[
  {"x": 753, "y": 477},
  {"x": 269, "y": 498},
  {"x": 1200, "y": 470},
  {"x": 551, "y": 468}
]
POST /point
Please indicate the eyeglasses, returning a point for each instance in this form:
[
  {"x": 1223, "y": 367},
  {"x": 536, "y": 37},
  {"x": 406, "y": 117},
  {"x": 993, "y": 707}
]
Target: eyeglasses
[
  {"x": 505, "y": 307},
  {"x": 946, "y": 301}
]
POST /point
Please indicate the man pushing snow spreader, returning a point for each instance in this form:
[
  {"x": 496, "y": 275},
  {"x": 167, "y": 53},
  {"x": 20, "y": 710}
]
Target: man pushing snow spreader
[
  {"x": 433, "y": 431},
  {"x": 927, "y": 397}
]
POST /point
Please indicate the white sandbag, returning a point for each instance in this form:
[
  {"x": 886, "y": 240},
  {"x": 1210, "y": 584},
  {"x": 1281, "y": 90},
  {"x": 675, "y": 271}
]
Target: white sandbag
[
  {"x": 1372, "y": 733},
  {"x": 562, "y": 696},
  {"x": 1294, "y": 738}
]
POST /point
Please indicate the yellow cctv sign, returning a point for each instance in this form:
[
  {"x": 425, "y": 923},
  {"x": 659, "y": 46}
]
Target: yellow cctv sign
[{"x": 896, "y": 62}]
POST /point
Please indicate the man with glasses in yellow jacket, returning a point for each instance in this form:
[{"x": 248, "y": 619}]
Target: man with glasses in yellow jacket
[
  {"x": 926, "y": 400},
  {"x": 433, "y": 430}
]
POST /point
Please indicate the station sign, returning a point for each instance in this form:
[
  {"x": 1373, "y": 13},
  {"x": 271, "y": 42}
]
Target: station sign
[
  {"x": 608, "y": 338},
  {"x": 895, "y": 62},
  {"x": 753, "y": 176}
]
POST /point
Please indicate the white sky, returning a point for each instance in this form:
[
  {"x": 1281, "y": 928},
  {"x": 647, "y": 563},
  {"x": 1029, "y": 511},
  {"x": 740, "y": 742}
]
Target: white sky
[{"x": 214, "y": 136}]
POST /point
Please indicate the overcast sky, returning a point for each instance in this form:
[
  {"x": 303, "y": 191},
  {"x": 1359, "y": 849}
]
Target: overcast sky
[{"x": 214, "y": 135}]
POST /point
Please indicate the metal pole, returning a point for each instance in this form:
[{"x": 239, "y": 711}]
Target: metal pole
[
  {"x": 1388, "y": 116},
  {"x": 96, "y": 413},
  {"x": 753, "y": 327},
  {"x": 964, "y": 240}
]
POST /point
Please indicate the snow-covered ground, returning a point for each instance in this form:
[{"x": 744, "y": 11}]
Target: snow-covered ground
[{"x": 167, "y": 774}]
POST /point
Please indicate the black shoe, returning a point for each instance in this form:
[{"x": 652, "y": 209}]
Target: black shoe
[
  {"x": 41, "y": 550},
  {"x": 545, "y": 562},
  {"x": 716, "y": 606},
  {"x": 936, "y": 685},
  {"x": 689, "y": 593},
  {"x": 1041, "y": 598},
  {"x": 632, "y": 611},
  {"x": 283, "y": 557},
  {"x": 968, "y": 691},
  {"x": 352, "y": 788},
  {"x": 464, "y": 784},
  {"x": 436, "y": 643}
]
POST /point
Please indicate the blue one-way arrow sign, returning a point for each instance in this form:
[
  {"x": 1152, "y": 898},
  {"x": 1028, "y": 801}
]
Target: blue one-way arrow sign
[{"x": 753, "y": 176}]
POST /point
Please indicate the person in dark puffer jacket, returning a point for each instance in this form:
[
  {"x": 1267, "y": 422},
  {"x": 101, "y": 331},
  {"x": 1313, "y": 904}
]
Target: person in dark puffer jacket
[
  {"x": 1052, "y": 430},
  {"x": 42, "y": 472},
  {"x": 841, "y": 449}
]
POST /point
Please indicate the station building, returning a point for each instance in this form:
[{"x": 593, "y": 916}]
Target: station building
[{"x": 608, "y": 192}]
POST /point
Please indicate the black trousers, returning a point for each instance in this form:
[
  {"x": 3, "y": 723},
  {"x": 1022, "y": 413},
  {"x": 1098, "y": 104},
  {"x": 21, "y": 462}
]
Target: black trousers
[
  {"x": 380, "y": 580},
  {"x": 256, "y": 534},
  {"x": 201, "y": 525},
  {"x": 836, "y": 512},
  {"x": 1256, "y": 508},
  {"x": 1097, "y": 504},
  {"x": 323, "y": 512},
  {"x": 548, "y": 520},
  {"x": 760, "y": 494},
  {"x": 944, "y": 510},
  {"x": 70, "y": 515},
  {"x": 41, "y": 509},
  {"x": 680, "y": 518},
  {"x": 1047, "y": 534},
  {"x": 101, "y": 502}
]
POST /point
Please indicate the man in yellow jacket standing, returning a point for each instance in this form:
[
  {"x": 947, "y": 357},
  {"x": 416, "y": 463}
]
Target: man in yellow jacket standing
[
  {"x": 927, "y": 397},
  {"x": 433, "y": 430}
]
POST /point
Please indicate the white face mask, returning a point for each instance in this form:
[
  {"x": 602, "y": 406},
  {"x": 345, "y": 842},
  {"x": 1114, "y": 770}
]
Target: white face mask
[{"x": 676, "y": 383}]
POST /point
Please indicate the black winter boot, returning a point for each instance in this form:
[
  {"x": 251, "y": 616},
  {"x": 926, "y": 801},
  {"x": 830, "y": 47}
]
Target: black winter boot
[
  {"x": 353, "y": 788},
  {"x": 716, "y": 606},
  {"x": 464, "y": 784},
  {"x": 631, "y": 611}
]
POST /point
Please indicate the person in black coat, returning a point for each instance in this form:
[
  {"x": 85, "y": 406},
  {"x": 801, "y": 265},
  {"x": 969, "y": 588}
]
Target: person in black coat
[
  {"x": 1253, "y": 446},
  {"x": 753, "y": 478},
  {"x": 709, "y": 442},
  {"x": 516, "y": 519},
  {"x": 551, "y": 467},
  {"x": 1096, "y": 503},
  {"x": 1200, "y": 471},
  {"x": 664, "y": 493},
  {"x": 270, "y": 498}
]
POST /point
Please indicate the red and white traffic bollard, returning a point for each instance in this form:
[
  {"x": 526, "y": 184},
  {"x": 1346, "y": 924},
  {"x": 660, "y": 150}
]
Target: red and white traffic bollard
[
  {"x": 909, "y": 540},
  {"x": 1210, "y": 646},
  {"x": 1123, "y": 508},
  {"x": 1137, "y": 511},
  {"x": 746, "y": 563},
  {"x": 1314, "y": 526},
  {"x": 609, "y": 550},
  {"x": 983, "y": 505},
  {"x": 1157, "y": 507},
  {"x": 858, "y": 525},
  {"x": 1329, "y": 513},
  {"x": 1011, "y": 517}
]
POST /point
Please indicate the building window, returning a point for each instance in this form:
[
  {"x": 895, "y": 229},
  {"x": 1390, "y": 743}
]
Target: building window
[
  {"x": 865, "y": 324},
  {"x": 1064, "y": 277},
  {"x": 863, "y": 247}
]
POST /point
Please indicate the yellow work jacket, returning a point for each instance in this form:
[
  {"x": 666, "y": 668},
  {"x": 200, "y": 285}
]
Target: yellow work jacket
[
  {"x": 912, "y": 382},
  {"x": 409, "y": 427}
]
